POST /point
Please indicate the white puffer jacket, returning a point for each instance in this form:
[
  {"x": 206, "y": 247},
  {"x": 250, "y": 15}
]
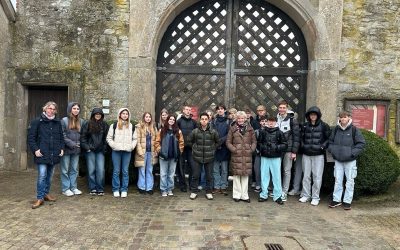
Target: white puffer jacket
[{"x": 124, "y": 139}]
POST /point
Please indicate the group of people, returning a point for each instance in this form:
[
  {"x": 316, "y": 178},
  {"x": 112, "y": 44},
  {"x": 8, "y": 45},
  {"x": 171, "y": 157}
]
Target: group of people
[{"x": 263, "y": 147}]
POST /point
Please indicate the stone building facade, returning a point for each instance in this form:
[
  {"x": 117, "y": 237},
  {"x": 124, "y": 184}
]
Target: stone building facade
[{"x": 107, "y": 50}]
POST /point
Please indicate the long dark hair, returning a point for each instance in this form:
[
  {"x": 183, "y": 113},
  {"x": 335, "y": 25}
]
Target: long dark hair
[
  {"x": 94, "y": 125},
  {"x": 175, "y": 129}
]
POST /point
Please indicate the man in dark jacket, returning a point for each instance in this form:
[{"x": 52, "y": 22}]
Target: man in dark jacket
[
  {"x": 345, "y": 144},
  {"x": 204, "y": 141},
  {"x": 186, "y": 124},
  {"x": 288, "y": 124},
  {"x": 315, "y": 135},
  {"x": 46, "y": 141},
  {"x": 221, "y": 124}
]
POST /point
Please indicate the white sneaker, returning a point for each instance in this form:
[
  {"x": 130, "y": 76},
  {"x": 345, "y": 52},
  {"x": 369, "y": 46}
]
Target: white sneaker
[
  {"x": 293, "y": 193},
  {"x": 314, "y": 202},
  {"x": 164, "y": 194},
  {"x": 124, "y": 194},
  {"x": 284, "y": 197},
  {"x": 209, "y": 196},
  {"x": 116, "y": 194},
  {"x": 68, "y": 193},
  {"x": 193, "y": 196},
  {"x": 200, "y": 188},
  {"x": 77, "y": 191},
  {"x": 304, "y": 199},
  {"x": 170, "y": 193}
]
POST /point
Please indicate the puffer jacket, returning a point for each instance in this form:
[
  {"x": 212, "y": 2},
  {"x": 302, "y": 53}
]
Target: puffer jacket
[
  {"x": 162, "y": 144},
  {"x": 186, "y": 125},
  {"x": 95, "y": 142},
  {"x": 46, "y": 135},
  {"x": 271, "y": 142},
  {"x": 122, "y": 139},
  {"x": 71, "y": 137},
  {"x": 221, "y": 124},
  {"x": 290, "y": 128},
  {"x": 314, "y": 136},
  {"x": 140, "y": 134},
  {"x": 204, "y": 143},
  {"x": 341, "y": 144},
  {"x": 241, "y": 147}
]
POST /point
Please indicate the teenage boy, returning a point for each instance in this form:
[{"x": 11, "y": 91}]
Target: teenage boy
[
  {"x": 221, "y": 124},
  {"x": 345, "y": 144},
  {"x": 255, "y": 123},
  {"x": 271, "y": 143},
  {"x": 204, "y": 141},
  {"x": 315, "y": 136},
  {"x": 288, "y": 124},
  {"x": 186, "y": 124}
]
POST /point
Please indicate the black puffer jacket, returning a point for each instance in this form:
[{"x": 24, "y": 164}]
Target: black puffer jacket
[
  {"x": 271, "y": 142},
  {"x": 46, "y": 135},
  {"x": 315, "y": 136},
  {"x": 204, "y": 143},
  {"x": 92, "y": 141},
  {"x": 341, "y": 144},
  {"x": 186, "y": 125}
]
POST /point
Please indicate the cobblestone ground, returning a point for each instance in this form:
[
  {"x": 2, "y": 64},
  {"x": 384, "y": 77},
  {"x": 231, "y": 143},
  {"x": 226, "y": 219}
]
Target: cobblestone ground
[{"x": 155, "y": 222}]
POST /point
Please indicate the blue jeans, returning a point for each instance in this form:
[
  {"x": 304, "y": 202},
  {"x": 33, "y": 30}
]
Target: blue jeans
[
  {"x": 220, "y": 174},
  {"x": 146, "y": 180},
  {"x": 273, "y": 165},
  {"x": 350, "y": 170},
  {"x": 120, "y": 161},
  {"x": 45, "y": 174},
  {"x": 95, "y": 165},
  {"x": 167, "y": 171},
  {"x": 69, "y": 172}
]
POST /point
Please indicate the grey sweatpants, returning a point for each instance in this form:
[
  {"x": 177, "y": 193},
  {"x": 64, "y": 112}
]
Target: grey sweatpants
[{"x": 313, "y": 166}]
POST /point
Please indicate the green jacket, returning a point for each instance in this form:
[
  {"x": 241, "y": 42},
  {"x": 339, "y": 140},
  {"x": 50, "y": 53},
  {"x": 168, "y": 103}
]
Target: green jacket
[{"x": 204, "y": 143}]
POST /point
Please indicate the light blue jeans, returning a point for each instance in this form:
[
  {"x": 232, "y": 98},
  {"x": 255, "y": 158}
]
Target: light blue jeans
[
  {"x": 69, "y": 172},
  {"x": 120, "y": 161},
  {"x": 146, "y": 180},
  {"x": 220, "y": 174},
  {"x": 95, "y": 165},
  {"x": 273, "y": 165},
  {"x": 349, "y": 169},
  {"x": 313, "y": 166},
  {"x": 167, "y": 172},
  {"x": 45, "y": 174}
]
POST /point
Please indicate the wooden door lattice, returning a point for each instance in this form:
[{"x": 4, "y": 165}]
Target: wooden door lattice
[{"x": 238, "y": 52}]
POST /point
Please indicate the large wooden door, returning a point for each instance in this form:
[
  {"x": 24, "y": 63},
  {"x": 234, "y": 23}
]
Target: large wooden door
[
  {"x": 238, "y": 52},
  {"x": 38, "y": 96}
]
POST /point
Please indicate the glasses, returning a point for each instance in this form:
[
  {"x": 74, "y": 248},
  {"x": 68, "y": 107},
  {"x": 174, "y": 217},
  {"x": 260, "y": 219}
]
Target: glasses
[{"x": 51, "y": 108}]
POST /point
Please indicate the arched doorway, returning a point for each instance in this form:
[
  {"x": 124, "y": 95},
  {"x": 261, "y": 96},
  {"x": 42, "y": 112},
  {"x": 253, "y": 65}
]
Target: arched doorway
[{"x": 238, "y": 52}]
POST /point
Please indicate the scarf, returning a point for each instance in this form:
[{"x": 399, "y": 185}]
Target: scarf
[
  {"x": 242, "y": 128},
  {"x": 49, "y": 117}
]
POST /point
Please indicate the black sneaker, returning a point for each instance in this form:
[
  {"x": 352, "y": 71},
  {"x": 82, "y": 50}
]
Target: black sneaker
[
  {"x": 260, "y": 199},
  {"x": 183, "y": 189},
  {"x": 100, "y": 193},
  {"x": 334, "y": 204},
  {"x": 279, "y": 201},
  {"x": 141, "y": 191},
  {"x": 150, "y": 192},
  {"x": 346, "y": 206},
  {"x": 93, "y": 192}
]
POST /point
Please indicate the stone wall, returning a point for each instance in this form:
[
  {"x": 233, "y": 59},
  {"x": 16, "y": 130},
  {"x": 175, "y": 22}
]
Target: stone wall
[
  {"x": 5, "y": 55},
  {"x": 370, "y": 54}
]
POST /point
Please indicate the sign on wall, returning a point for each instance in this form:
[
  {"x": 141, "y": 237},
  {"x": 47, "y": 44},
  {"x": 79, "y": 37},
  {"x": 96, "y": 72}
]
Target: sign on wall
[{"x": 370, "y": 115}]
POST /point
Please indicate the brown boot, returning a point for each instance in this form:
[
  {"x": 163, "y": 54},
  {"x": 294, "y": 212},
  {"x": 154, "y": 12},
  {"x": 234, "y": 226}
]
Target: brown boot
[
  {"x": 47, "y": 197},
  {"x": 37, "y": 204}
]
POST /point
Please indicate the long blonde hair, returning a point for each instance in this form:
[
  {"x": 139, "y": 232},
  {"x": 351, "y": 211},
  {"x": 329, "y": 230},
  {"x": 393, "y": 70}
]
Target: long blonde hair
[
  {"x": 74, "y": 122},
  {"x": 120, "y": 123},
  {"x": 148, "y": 127}
]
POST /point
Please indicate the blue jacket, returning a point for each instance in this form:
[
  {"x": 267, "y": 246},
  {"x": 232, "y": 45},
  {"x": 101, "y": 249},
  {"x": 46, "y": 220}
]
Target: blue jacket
[
  {"x": 221, "y": 124},
  {"x": 343, "y": 145},
  {"x": 46, "y": 135}
]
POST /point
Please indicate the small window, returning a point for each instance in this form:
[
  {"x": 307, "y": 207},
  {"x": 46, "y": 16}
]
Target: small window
[{"x": 370, "y": 115}]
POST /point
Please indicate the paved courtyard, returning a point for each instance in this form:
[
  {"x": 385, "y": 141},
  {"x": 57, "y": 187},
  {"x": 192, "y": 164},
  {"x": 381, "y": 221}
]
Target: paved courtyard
[{"x": 155, "y": 222}]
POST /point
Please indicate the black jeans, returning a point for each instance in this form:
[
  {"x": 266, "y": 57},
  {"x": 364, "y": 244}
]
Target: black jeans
[
  {"x": 186, "y": 157},
  {"x": 196, "y": 170}
]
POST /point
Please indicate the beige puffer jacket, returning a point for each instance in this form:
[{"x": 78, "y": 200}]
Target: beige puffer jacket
[
  {"x": 140, "y": 133},
  {"x": 124, "y": 139}
]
